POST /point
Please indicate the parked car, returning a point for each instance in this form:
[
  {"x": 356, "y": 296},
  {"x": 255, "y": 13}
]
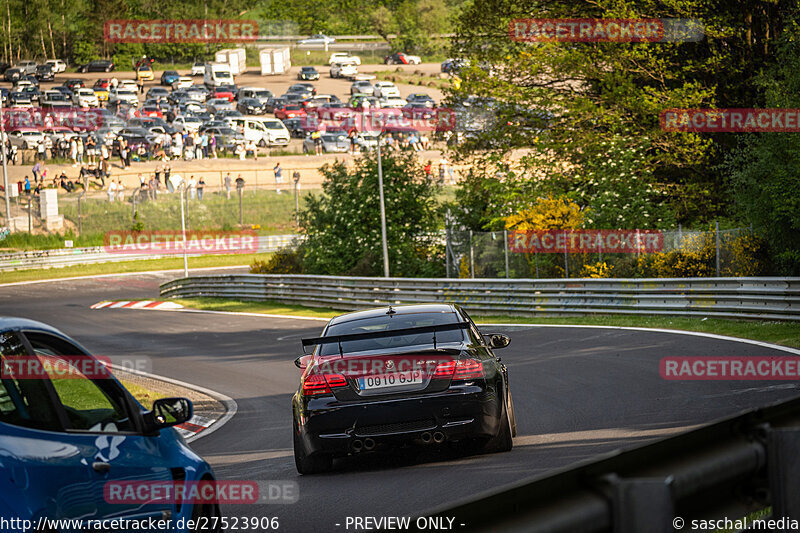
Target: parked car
[
  {"x": 290, "y": 111},
  {"x": 453, "y": 65},
  {"x": 73, "y": 84},
  {"x": 274, "y": 103},
  {"x": 295, "y": 127},
  {"x": 250, "y": 106},
  {"x": 227, "y": 138},
  {"x": 19, "y": 99},
  {"x": 168, "y": 77},
  {"x": 304, "y": 88},
  {"x": 262, "y": 131},
  {"x": 260, "y": 94},
  {"x": 151, "y": 110},
  {"x": 421, "y": 98},
  {"x": 28, "y": 67},
  {"x": 145, "y": 73},
  {"x": 393, "y": 102},
  {"x": 317, "y": 39},
  {"x": 85, "y": 98},
  {"x": 183, "y": 82},
  {"x": 216, "y": 105},
  {"x": 362, "y": 87},
  {"x": 343, "y": 70},
  {"x": 57, "y": 65},
  {"x": 187, "y": 123},
  {"x": 331, "y": 143},
  {"x": 45, "y": 73},
  {"x": 154, "y": 93},
  {"x": 12, "y": 74},
  {"x": 123, "y": 95},
  {"x": 198, "y": 68},
  {"x": 344, "y": 57},
  {"x": 383, "y": 89},
  {"x": 98, "y": 65},
  {"x": 400, "y": 58},
  {"x": 128, "y": 84},
  {"x": 308, "y": 73},
  {"x": 26, "y": 138},
  {"x": 53, "y": 99},
  {"x": 66, "y": 436}
]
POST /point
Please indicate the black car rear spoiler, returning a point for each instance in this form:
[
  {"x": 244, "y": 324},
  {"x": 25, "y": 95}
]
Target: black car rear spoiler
[{"x": 339, "y": 339}]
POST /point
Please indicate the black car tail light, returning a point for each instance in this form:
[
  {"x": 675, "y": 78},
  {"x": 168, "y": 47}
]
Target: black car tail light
[
  {"x": 445, "y": 370},
  {"x": 468, "y": 369},
  {"x": 320, "y": 384}
]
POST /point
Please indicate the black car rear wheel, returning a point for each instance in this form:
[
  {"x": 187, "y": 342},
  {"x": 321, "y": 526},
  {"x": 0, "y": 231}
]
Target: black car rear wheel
[
  {"x": 504, "y": 440},
  {"x": 316, "y": 463}
]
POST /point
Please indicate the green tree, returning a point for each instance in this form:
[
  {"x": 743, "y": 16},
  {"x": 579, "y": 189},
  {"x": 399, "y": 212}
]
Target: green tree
[{"x": 342, "y": 225}]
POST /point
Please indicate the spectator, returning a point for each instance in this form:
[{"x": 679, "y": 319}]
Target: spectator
[
  {"x": 251, "y": 149},
  {"x": 73, "y": 151},
  {"x": 48, "y": 146},
  {"x": 188, "y": 144},
  {"x": 442, "y": 168},
  {"x": 227, "y": 184},
  {"x": 120, "y": 191},
  {"x": 239, "y": 184},
  {"x": 204, "y": 144},
  {"x": 316, "y": 136},
  {"x": 278, "y": 177},
  {"x": 41, "y": 151},
  {"x": 212, "y": 145},
  {"x": 177, "y": 145},
  {"x": 198, "y": 146},
  {"x": 167, "y": 173},
  {"x": 128, "y": 151},
  {"x": 153, "y": 188},
  {"x": 201, "y": 183},
  {"x": 428, "y": 169},
  {"x": 91, "y": 149},
  {"x": 36, "y": 168},
  {"x": 353, "y": 135},
  {"x": 240, "y": 151},
  {"x": 112, "y": 190},
  {"x": 80, "y": 147},
  {"x": 140, "y": 84},
  {"x": 192, "y": 186},
  {"x": 28, "y": 185}
]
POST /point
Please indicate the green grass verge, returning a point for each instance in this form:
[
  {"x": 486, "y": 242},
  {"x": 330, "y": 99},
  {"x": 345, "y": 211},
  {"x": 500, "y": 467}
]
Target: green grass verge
[
  {"x": 204, "y": 261},
  {"x": 783, "y": 333},
  {"x": 143, "y": 395}
]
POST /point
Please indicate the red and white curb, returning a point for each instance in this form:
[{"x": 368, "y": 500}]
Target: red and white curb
[
  {"x": 193, "y": 426},
  {"x": 137, "y": 304}
]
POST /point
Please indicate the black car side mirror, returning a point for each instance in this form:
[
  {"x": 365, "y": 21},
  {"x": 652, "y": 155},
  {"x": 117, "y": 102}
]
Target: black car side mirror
[
  {"x": 496, "y": 340},
  {"x": 302, "y": 361},
  {"x": 169, "y": 412}
]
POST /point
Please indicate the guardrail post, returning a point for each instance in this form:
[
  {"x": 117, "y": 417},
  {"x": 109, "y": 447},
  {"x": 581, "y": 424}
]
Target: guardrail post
[
  {"x": 471, "y": 257},
  {"x": 505, "y": 249},
  {"x": 641, "y": 504},
  {"x": 716, "y": 233},
  {"x": 784, "y": 472}
]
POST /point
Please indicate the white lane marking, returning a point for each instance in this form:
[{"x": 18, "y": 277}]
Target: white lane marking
[
  {"x": 762, "y": 344},
  {"x": 140, "y": 273},
  {"x": 231, "y": 408}
]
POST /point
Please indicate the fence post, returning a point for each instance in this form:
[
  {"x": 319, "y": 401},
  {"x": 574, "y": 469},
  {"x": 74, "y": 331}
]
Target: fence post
[
  {"x": 80, "y": 216},
  {"x": 30, "y": 222},
  {"x": 240, "y": 205},
  {"x": 566, "y": 264},
  {"x": 716, "y": 232},
  {"x": 505, "y": 249},
  {"x": 447, "y": 244},
  {"x": 471, "y": 257}
]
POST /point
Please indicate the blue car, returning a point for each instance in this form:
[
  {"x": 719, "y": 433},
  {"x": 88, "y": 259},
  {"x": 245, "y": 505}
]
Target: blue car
[
  {"x": 168, "y": 77},
  {"x": 64, "y": 443}
]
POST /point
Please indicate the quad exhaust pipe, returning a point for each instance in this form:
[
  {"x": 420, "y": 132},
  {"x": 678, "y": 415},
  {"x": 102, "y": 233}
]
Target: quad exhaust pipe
[
  {"x": 357, "y": 445},
  {"x": 426, "y": 438},
  {"x": 438, "y": 437},
  {"x": 369, "y": 444}
]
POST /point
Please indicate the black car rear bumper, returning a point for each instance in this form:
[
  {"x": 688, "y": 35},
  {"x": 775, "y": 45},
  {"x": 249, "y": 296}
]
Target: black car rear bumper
[{"x": 335, "y": 427}]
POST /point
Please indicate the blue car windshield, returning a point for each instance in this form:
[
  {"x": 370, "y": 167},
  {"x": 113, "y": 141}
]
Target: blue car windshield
[{"x": 389, "y": 323}]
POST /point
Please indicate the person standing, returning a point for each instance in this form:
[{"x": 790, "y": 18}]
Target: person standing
[
  {"x": 240, "y": 184},
  {"x": 73, "y": 152},
  {"x": 140, "y": 83},
  {"x": 192, "y": 187},
  {"x": 120, "y": 191},
  {"x": 212, "y": 145},
  {"x": 316, "y": 136},
  {"x": 28, "y": 185},
  {"x": 112, "y": 190},
  {"x": 204, "y": 144},
  {"x": 278, "y": 177},
  {"x": 201, "y": 183},
  {"x": 81, "y": 149},
  {"x": 36, "y": 168},
  {"x": 227, "y": 184},
  {"x": 91, "y": 149},
  {"x": 167, "y": 173},
  {"x": 428, "y": 169}
]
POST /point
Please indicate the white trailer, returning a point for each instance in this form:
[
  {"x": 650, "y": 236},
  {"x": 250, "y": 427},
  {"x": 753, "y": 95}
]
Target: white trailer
[
  {"x": 235, "y": 58},
  {"x": 274, "y": 60}
]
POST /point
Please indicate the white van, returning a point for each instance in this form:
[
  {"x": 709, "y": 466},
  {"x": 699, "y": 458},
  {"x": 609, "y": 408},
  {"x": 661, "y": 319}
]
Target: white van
[
  {"x": 262, "y": 131},
  {"x": 217, "y": 74}
]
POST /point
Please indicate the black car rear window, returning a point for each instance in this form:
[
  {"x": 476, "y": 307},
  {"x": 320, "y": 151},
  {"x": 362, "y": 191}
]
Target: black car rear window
[{"x": 389, "y": 323}]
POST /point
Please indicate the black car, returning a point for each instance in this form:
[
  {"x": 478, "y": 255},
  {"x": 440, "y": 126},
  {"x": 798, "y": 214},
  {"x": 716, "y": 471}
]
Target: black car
[
  {"x": 302, "y": 88},
  {"x": 250, "y": 106},
  {"x": 295, "y": 127},
  {"x": 168, "y": 77},
  {"x": 408, "y": 375},
  {"x": 12, "y": 74},
  {"x": 308, "y": 74},
  {"x": 98, "y": 65},
  {"x": 274, "y": 103},
  {"x": 45, "y": 73},
  {"x": 74, "y": 84}
]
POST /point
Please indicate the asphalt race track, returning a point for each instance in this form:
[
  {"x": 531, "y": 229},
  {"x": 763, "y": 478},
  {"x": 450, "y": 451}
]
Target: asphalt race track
[{"x": 578, "y": 392}]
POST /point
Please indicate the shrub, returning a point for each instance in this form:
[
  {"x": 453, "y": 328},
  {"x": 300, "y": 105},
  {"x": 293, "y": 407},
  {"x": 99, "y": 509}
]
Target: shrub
[{"x": 284, "y": 261}]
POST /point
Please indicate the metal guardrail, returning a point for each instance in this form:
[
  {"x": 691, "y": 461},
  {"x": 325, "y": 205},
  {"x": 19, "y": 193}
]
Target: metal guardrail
[
  {"x": 752, "y": 298},
  {"x": 725, "y": 470},
  {"x": 62, "y": 257}
]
